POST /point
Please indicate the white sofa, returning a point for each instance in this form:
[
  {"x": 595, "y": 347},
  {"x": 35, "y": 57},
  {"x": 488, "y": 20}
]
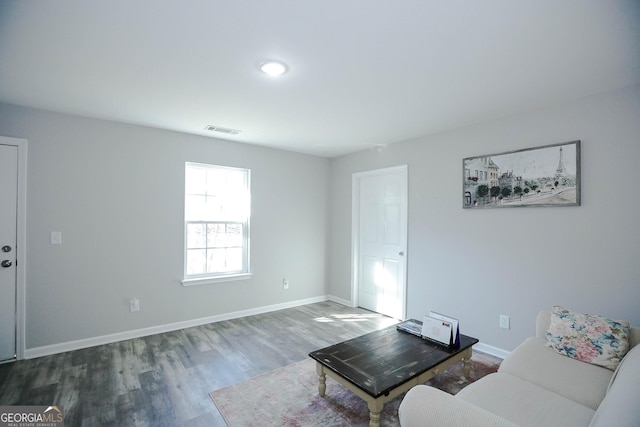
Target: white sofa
[{"x": 536, "y": 387}]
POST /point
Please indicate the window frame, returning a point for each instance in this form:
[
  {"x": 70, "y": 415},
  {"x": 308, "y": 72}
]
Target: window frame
[{"x": 208, "y": 278}]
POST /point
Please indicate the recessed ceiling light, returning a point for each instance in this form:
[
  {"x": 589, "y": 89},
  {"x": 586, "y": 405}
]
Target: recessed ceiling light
[
  {"x": 273, "y": 68},
  {"x": 214, "y": 128}
]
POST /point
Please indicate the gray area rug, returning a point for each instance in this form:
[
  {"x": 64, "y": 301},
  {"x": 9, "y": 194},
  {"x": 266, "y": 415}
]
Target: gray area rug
[{"x": 289, "y": 397}]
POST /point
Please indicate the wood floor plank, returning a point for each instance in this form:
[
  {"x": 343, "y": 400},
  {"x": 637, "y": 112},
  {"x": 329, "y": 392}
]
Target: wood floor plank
[
  {"x": 165, "y": 379},
  {"x": 68, "y": 393},
  {"x": 126, "y": 368}
]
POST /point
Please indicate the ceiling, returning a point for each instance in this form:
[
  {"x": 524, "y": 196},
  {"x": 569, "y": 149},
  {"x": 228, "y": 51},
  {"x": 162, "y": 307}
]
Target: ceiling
[{"x": 362, "y": 73}]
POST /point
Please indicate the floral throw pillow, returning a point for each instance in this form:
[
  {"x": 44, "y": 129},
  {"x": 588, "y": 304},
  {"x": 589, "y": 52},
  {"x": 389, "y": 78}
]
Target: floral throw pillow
[{"x": 588, "y": 337}]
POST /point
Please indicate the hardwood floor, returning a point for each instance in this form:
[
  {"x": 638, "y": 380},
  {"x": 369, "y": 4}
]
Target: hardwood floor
[{"x": 165, "y": 379}]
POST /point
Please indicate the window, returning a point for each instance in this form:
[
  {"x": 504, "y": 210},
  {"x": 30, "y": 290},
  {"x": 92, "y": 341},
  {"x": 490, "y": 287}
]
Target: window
[{"x": 216, "y": 222}]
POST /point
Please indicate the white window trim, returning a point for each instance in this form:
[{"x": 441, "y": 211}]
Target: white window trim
[
  {"x": 211, "y": 280},
  {"x": 206, "y": 279}
]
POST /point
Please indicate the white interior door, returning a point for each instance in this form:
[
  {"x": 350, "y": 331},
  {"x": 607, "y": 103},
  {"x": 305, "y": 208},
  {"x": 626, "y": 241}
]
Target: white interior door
[
  {"x": 8, "y": 242},
  {"x": 380, "y": 240}
]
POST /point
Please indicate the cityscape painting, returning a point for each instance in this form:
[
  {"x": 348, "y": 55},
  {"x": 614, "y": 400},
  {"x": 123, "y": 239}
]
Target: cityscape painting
[{"x": 540, "y": 176}]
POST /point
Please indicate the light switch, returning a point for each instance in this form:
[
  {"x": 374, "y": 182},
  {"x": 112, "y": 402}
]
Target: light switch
[{"x": 56, "y": 238}]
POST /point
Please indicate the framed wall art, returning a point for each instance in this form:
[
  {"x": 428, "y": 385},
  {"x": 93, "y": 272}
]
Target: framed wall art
[{"x": 542, "y": 176}]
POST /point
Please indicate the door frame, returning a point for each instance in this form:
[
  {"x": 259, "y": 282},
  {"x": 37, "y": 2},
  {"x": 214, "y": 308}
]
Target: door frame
[
  {"x": 21, "y": 241},
  {"x": 355, "y": 229}
]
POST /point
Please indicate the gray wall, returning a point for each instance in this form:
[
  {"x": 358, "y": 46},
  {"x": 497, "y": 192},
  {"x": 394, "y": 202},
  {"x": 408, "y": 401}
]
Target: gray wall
[
  {"x": 478, "y": 264},
  {"x": 116, "y": 193}
]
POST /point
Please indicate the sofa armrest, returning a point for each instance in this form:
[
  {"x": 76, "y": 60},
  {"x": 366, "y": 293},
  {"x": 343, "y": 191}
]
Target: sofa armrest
[{"x": 425, "y": 406}]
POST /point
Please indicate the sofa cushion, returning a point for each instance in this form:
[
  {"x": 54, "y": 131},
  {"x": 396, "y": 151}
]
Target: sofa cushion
[
  {"x": 524, "y": 403},
  {"x": 543, "y": 320},
  {"x": 620, "y": 406},
  {"x": 425, "y": 406},
  {"x": 581, "y": 382},
  {"x": 588, "y": 337}
]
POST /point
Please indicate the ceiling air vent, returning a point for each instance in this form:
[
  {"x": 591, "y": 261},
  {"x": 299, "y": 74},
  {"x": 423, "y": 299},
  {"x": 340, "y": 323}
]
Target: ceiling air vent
[{"x": 222, "y": 130}]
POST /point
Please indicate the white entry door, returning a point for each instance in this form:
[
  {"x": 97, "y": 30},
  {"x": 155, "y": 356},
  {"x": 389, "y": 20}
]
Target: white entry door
[
  {"x": 8, "y": 242},
  {"x": 380, "y": 240}
]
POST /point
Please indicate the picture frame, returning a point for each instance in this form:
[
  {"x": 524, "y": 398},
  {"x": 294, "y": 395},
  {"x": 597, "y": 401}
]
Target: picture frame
[{"x": 547, "y": 175}]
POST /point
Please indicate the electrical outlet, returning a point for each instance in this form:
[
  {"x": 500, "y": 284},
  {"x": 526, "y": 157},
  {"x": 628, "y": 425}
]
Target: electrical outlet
[
  {"x": 56, "y": 238},
  {"x": 134, "y": 305},
  {"x": 505, "y": 322},
  {"x": 285, "y": 284}
]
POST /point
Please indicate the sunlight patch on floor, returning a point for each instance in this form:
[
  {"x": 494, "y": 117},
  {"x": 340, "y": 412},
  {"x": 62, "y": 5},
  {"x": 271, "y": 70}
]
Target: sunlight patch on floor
[{"x": 356, "y": 317}]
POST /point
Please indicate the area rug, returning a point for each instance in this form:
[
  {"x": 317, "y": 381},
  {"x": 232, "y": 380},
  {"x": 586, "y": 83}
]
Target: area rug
[{"x": 288, "y": 397}]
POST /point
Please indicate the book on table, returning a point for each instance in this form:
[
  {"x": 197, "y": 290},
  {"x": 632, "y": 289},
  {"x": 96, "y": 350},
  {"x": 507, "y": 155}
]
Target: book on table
[{"x": 441, "y": 329}]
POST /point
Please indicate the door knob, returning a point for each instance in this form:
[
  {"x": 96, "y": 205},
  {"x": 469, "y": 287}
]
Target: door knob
[
  {"x": 401, "y": 253},
  {"x": 6, "y": 263},
  {"x": 6, "y": 248}
]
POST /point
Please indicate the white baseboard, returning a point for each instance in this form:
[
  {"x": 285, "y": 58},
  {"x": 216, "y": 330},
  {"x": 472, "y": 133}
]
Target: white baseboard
[
  {"x": 48, "y": 350},
  {"x": 489, "y": 349},
  {"x": 344, "y": 302}
]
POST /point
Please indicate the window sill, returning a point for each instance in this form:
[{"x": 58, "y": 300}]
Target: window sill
[{"x": 211, "y": 280}]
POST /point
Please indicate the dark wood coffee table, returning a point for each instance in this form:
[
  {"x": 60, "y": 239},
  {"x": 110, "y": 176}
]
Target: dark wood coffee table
[{"x": 384, "y": 364}]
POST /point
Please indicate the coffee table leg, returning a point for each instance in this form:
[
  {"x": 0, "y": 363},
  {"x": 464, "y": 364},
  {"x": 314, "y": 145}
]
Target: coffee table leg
[
  {"x": 375, "y": 408},
  {"x": 466, "y": 366},
  {"x": 322, "y": 377}
]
